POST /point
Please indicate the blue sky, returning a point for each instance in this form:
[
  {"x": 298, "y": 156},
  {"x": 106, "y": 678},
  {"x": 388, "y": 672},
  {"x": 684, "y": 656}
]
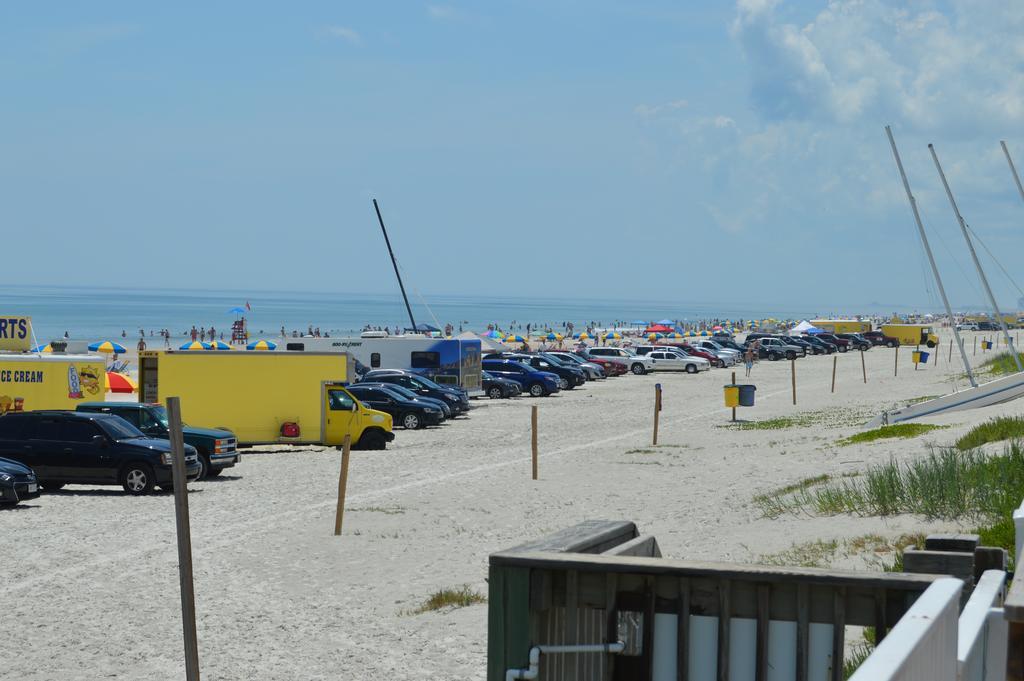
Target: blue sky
[{"x": 677, "y": 151}]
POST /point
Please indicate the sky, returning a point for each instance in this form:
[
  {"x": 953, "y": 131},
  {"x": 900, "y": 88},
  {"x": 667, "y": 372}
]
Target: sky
[{"x": 696, "y": 151}]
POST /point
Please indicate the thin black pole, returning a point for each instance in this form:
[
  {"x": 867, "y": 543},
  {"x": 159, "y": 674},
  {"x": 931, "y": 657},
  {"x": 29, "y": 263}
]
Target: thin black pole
[{"x": 395, "y": 264}]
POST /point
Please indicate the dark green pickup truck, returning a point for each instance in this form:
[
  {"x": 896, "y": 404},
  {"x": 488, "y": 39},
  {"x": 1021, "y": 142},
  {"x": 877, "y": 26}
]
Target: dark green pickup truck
[{"x": 216, "y": 447}]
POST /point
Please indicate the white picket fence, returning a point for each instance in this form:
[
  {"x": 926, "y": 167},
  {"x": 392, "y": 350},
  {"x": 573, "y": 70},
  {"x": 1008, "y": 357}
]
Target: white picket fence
[{"x": 931, "y": 643}]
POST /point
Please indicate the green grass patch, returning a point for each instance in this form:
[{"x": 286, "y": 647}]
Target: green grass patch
[
  {"x": 923, "y": 398},
  {"x": 856, "y": 656},
  {"x": 642, "y": 451},
  {"x": 1000, "y": 532},
  {"x": 830, "y": 418},
  {"x": 994, "y": 430},
  {"x": 898, "y": 430},
  {"x": 948, "y": 484},
  {"x": 817, "y": 553},
  {"x": 1000, "y": 364},
  {"x": 773, "y": 503},
  {"x": 462, "y": 597}
]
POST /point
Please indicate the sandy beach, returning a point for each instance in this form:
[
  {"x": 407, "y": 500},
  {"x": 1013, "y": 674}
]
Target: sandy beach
[{"x": 91, "y": 584}]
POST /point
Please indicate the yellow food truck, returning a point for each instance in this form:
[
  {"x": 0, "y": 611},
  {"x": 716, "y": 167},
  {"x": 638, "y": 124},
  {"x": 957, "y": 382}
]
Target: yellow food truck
[
  {"x": 276, "y": 397},
  {"x": 912, "y": 334},
  {"x": 841, "y": 325},
  {"x": 52, "y": 381}
]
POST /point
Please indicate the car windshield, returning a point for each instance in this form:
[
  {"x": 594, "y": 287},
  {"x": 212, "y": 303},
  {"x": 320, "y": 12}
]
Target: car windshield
[
  {"x": 159, "y": 412},
  {"x": 396, "y": 389},
  {"x": 119, "y": 429},
  {"x": 425, "y": 383}
]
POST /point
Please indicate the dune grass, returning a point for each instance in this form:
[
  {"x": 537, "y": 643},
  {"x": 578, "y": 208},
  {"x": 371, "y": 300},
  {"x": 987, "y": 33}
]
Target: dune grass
[
  {"x": 897, "y": 430},
  {"x": 994, "y": 430},
  {"x": 1000, "y": 364},
  {"x": 948, "y": 484},
  {"x": 449, "y": 598}
]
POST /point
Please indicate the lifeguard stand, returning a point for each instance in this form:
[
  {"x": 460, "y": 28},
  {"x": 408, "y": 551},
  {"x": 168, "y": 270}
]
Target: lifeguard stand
[{"x": 239, "y": 336}]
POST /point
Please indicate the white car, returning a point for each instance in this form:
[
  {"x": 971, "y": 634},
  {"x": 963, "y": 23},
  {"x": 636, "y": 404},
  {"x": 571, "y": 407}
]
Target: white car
[
  {"x": 968, "y": 326},
  {"x": 638, "y": 364},
  {"x": 716, "y": 349},
  {"x": 674, "y": 360}
]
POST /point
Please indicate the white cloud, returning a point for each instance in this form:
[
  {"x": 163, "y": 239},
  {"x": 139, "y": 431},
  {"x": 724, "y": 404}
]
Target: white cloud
[
  {"x": 345, "y": 33},
  {"x": 657, "y": 109}
]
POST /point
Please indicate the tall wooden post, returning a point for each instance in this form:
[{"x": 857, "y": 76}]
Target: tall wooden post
[
  {"x": 657, "y": 410},
  {"x": 533, "y": 438},
  {"x": 339, "y": 513},
  {"x": 975, "y": 345},
  {"x": 792, "y": 370},
  {"x": 188, "y": 600},
  {"x": 835, "y": 361},
  {"x": 949, "y": 359},
  {"x": 734, "y": 408},
  {"x": 896, "y": 361},
  {"x": 863, "y": 367}
]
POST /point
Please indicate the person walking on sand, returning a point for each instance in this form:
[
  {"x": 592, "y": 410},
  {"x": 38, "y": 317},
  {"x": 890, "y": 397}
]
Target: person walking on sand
[{"x": 748, "y": 359}]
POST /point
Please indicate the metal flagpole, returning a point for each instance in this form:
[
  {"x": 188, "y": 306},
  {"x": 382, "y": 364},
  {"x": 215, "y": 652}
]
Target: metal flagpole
[
  {"x": 1013, "y": 169},
  {"x": 931, "y": 259},
  {"x": 395, "y": 264},
  {"x": 974, "y": 256}
]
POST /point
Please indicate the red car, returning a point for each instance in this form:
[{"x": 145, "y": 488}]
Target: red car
[
  {"x": 610, "y": 368},
  {"x": 695, "y": 352}
]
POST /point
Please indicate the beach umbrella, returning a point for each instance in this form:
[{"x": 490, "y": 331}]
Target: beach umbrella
[
  {"x": 675, "y": 335},
  {"x": 638, "y": 322},
  {"x": 552, "y": 336},
  {"x": 261, "y": 345},
  {"x": 691, "y": 334},
  {"x": 667, "y": 322},
  {"x": 237, "y": 310},
  {"x": 42, "y": 348},
  {"x": 612, "y": 335},
  {"x": 655, "y": 336},
  {"x": 218, "y": 345},
  {"x": 716, "y": 328},
  {"x": 120, "y": 383},
  {"x": 705, "y": 333},
  {"x": 492, "y": 334},
  {"x": 581, "y": 336},
  {"x": 514, "y": 338},
  {"x": 108, "y": 347},
  {"x": 195, "y": 345}
]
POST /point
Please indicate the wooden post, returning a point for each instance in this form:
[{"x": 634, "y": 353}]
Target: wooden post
[
  {"x": 533, "y": 438},
  {"x": 657, "y": 409},
  {"x": 896, "y": 361},
  {"x": 188, "y": 599},
  {"x": 734, "y": 408},
  {"x": 835, "y": 361},
  {"x": 792, "y": 370},
  {"x": 339, "y": 514},
  {"x": 863, "y": 367},
  {"x": 975, "y": 345},
  {"x": 949, "y": 359}
]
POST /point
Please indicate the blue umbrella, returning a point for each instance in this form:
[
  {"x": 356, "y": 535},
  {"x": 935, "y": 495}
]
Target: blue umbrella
[
  {"x": 666, "y": 322},
  {"x": 237, "y": 310}
]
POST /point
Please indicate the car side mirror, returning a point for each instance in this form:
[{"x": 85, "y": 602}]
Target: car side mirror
[
  {"x": 354, "y": 407},
  {"x": 99, "y": 440}
]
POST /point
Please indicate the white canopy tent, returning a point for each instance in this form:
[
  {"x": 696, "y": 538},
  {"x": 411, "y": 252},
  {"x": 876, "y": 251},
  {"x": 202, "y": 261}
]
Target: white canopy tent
[{"x": 805, "y": 327}]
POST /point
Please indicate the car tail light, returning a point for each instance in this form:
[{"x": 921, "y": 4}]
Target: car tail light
[{"x": 290, "y": 429}]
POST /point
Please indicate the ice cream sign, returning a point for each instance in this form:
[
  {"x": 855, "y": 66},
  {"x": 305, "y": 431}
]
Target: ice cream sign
[{"x": 15, "y": 333}]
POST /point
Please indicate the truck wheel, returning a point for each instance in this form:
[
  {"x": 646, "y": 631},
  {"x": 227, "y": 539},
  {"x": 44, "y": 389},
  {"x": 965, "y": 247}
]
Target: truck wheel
[
  {"x": 495, "y": 393},
  {"x": 720, "y": 363},
  {"x": 51, "y": 486},
  {"x": 638, "y": 369},
  {"x": 691, "y": 368},
  {"x": 842, "y": 348},
  {"x": 213, "y": 472},
  {"x": 372, "y": 439},
  {"x": 137, "y": 478},
  {"x": 204, "y": 467},
  {"x": 890, "y": 344},
  {"x": 537, "y": 390},
  {"x": 930, "y": 344},
  {"x": 411, "y": 421}
]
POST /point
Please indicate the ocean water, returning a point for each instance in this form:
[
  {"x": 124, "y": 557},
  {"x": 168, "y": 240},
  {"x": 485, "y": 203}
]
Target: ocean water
[{"x": 104, "y": 313}]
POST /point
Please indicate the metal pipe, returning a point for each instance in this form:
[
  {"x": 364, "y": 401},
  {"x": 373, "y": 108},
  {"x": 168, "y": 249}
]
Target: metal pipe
[
  {"x": 928, "y": 252},
  {"x": 1013, "y": 169},
  {"x": 533, "y": 671},
  {"x": 974, "y": 256},
  {"x": 394, "y": 263}
]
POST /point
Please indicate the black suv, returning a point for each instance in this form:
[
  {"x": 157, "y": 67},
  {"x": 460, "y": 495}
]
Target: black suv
[
  {"x": 411, "y": 414},
  {"x": 67, "y": 447},
  {"x": 456, "y": 398}
]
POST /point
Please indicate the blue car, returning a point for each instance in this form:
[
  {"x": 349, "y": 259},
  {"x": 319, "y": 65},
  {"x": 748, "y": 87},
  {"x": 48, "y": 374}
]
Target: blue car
[{"x": 537, "y": 383}]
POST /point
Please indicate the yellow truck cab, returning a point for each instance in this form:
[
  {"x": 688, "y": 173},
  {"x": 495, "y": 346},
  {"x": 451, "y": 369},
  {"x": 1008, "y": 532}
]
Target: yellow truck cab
[
  {"x": 275, "y": 397},
  {"x": 912, "y": 334}
]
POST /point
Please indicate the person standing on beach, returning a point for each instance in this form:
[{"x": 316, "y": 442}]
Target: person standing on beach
[
  {"x": 748, "y": 359},
  {"x": 142, "y": 344}
]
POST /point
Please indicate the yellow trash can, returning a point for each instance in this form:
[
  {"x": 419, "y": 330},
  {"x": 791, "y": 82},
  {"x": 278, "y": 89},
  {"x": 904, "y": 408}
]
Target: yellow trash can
[
  {"x": 732, "y": 395},
  {"x": 915, "y": 356}
]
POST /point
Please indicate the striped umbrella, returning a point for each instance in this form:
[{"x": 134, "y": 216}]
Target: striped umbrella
[
  {"x": 42, "y": 348},
  {"x": 705, "y": 333},
  {"x": 261, "y": 345},
  {"x": 492, "y": 334},
  {"x": 218, "y": 345},
  {"x": 691, "y": 334},
  {"x": 195, "y": 345},
  {"x": 675, "y": 335},
  {"x": 552, "y": 336},
  {"x": 581, "y": 336},
  {"x": 612, "y": 335},
  {"x": 655, "y": 336},
  {"x": 107, "y": 347},
  {"x": 120, "y": 383},
  {"x": 514, "y": 338}
]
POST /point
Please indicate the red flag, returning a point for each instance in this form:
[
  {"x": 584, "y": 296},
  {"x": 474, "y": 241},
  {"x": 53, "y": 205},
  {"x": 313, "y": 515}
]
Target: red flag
[{"x": 247, "y": 307}]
